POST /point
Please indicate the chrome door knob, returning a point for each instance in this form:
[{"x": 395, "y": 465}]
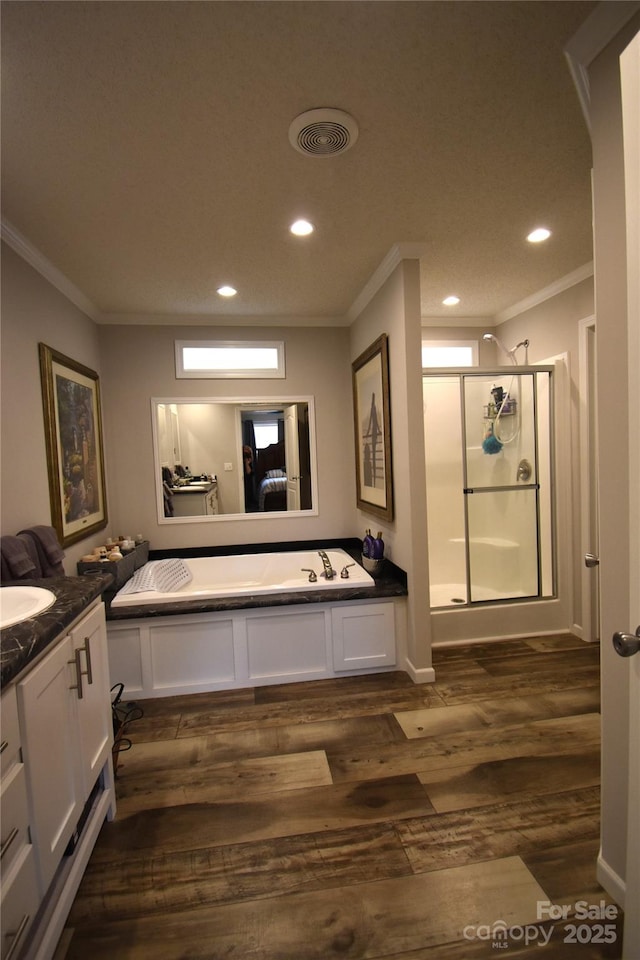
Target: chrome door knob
[
  {"x": 626, "y": 644},
  {"x": 590, "y": 560}
]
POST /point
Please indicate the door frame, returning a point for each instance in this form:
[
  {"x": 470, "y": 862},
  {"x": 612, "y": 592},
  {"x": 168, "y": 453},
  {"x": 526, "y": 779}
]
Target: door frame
[{"x": 589, "y": 627}]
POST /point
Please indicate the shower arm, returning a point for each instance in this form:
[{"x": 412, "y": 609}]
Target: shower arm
[{"x": 510, "y": 353}]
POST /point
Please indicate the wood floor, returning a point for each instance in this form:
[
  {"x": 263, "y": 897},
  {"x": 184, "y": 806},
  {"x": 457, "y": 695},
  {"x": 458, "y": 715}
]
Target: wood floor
[{"x": 365, "y": 817}]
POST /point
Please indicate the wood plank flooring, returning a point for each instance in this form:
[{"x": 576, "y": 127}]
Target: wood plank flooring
[{"x": 366, "y": 817}]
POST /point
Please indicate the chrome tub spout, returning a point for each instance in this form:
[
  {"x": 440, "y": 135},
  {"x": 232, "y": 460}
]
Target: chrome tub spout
[{"x": 329, "y": 572}]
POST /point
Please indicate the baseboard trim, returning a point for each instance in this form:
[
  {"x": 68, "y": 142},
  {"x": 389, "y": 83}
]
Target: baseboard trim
[
  {"x": 609, "y": 879},
  {"x": 420, "y": 674},
  {"x": 500, "y": 638}
]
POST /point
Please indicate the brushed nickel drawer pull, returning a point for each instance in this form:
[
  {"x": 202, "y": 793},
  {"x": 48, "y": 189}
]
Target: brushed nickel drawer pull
[
  {"x": 17, "y": 936},
  {"x": 7, "y": 843},
  {"x": 77, "y": 686},
  {"x": 87, "y": 649}
]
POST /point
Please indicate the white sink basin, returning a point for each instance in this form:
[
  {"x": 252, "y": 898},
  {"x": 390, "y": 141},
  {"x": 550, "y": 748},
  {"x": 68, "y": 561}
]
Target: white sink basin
[{"x": 20, "y": 603}]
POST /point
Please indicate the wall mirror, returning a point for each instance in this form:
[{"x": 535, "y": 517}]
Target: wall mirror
[{"x": 218, "y": 459}]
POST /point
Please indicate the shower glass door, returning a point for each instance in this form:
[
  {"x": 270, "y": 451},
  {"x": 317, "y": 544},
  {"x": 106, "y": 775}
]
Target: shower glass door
[
  {"x": 502, "y": 484},
  {"x": 488, "y": 441}
]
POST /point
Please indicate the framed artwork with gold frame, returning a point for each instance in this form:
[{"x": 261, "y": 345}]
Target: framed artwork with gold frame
[{"x": 73, "y": 435}]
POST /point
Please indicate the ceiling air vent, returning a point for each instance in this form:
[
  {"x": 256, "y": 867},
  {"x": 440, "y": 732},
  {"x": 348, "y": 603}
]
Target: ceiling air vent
[{"x": 323, "y": 132}]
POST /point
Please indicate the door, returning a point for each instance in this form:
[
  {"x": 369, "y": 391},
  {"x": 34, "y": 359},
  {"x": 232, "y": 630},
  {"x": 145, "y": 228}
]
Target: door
[
  {"x": 48, "y": 720},
  {"x": 292, "y": 456},
  {"x": 630, "y": 78}
]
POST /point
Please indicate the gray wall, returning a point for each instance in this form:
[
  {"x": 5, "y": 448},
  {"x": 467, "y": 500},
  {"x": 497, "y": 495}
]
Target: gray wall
[
  {"x": 552, "y": 328},
  {"x": 138, "y": 363},
  {"x": 33, "y": 311},
  {"x": 395, "y": 310}
]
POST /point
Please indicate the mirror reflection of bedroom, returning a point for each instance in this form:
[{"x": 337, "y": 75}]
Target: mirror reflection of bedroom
[
  {"x": 245, "y": 456},
  {"x": 276, "y": 460}
]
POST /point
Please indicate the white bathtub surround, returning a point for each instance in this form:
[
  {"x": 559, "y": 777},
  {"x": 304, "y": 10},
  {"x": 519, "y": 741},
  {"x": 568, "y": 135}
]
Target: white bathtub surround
[
  {"x": 196, "y": 653},
  {"x": 257, "y": 573}
]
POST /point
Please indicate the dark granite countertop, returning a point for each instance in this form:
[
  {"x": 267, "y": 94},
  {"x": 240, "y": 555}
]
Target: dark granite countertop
[{"x": 21, "y": 643}]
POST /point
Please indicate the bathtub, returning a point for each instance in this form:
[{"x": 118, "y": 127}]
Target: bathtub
[{"x": 255, "y": 573}]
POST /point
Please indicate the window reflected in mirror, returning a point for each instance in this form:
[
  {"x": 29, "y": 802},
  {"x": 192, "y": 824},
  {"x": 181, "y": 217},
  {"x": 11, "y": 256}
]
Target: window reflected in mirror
[{"x": 217, "y": 459}]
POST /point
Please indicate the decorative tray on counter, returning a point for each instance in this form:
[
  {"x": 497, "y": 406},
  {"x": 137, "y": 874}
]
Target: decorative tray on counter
[{"x": 121, "y": 570}]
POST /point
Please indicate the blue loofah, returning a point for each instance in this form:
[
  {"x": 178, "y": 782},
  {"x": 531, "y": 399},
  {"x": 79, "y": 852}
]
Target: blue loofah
[{"x": 491, "y": 444}]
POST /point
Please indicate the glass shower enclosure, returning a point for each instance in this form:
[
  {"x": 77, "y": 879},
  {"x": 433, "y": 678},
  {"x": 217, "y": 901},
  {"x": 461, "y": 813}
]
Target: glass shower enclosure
[{"x": 489, "y": 467}]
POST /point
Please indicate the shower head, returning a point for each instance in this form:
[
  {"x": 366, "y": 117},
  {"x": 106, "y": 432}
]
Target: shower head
[{"x": 509, "y": 353}]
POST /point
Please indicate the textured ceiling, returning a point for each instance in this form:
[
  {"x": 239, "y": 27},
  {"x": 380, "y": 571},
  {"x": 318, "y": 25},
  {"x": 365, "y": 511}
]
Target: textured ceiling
[{"x": 145, "y": 150}]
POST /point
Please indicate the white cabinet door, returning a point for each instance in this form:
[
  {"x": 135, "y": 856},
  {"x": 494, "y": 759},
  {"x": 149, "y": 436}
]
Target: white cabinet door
[
  {"x": 48, "y": 722},
  {"x": 65, "y": 721},
  {"x": 94, "y": 725},
  {"x": 363, "y": 636}
]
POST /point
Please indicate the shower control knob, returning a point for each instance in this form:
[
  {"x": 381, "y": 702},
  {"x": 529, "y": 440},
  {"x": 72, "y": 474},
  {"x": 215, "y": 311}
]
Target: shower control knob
[
  {"x": 626, "y": 644},
  {"x": 590, "y": 560}
]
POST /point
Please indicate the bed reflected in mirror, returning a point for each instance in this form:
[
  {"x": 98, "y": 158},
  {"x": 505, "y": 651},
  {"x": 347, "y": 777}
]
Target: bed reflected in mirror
[{"x": 223, "y": 458}]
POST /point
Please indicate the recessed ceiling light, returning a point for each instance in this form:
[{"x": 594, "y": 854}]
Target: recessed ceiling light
[
  {"x": 227, "y": 291},
  {"x": 538, "y": 235},
  {"x": 302, "y": 228},
  {"x": 451, "y": 301}
]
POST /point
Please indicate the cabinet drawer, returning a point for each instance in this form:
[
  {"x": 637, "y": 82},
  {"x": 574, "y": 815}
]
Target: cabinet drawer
[
  {"x": 14, "y": 824},
  {"x": 20, "y": 902},
  {"x": 10, "y": 736}
]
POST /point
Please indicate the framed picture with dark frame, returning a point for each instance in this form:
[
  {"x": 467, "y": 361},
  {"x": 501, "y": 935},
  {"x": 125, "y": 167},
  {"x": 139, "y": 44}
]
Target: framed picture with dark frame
[
  {"x": 372, "y": 422},
  {"x": 73, "y": 434}
]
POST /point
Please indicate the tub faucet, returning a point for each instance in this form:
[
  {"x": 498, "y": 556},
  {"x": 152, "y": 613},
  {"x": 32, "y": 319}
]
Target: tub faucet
[{"x": 329, "y": 572}]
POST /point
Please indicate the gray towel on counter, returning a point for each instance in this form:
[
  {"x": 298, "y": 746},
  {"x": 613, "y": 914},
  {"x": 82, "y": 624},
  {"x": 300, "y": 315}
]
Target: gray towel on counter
[
  {"x": 16, "y": 562},
  {"x": 49, "y": 550}
]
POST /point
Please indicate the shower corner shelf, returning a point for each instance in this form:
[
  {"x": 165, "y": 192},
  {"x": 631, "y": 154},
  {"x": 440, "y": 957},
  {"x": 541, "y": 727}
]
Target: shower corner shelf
[{"x": 509, "y": 409}]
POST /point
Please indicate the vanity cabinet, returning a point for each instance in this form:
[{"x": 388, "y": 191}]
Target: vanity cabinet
[
  {"x": 201, "y": 501},
  {"x": 65, "y": 719},
  {"x": 57, "y": 783},
  {"x": 20, "y": 888}
]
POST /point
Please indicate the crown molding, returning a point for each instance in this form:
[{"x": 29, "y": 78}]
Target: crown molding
[
  {"x": 558, "y": 286},
  {"x": 397, "y": 253},
  {"x": 452, "y": 322},
  {"x": 597, "y": 31},
  {"x": 217, "y": 320},
  {"x": 18, "y": 242}
]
